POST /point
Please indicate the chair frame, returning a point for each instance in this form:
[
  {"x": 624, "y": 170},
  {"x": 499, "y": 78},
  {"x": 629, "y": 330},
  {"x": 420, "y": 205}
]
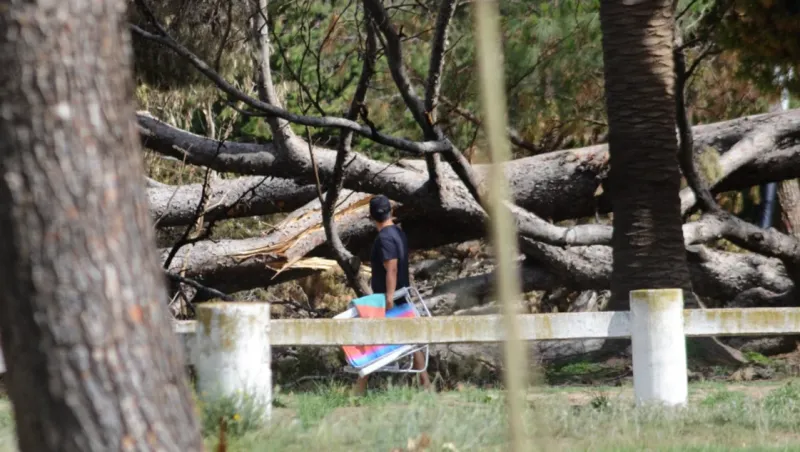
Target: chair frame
[{"x": 391, "y": 362}]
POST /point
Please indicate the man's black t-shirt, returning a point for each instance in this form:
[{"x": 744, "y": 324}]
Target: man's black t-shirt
[{"x": 391, "y": 243}]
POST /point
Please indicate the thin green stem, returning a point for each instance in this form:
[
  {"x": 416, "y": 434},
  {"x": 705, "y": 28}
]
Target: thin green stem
[{"x": 503, "y": 228}]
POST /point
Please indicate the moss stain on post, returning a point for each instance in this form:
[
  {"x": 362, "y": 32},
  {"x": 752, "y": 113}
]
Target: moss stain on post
[
  {"x": 757, "y": 319},
  {"x": 228, "y": 326},
  {"x": 658, "y": 299},
  {"x": 544, "y": 328}
]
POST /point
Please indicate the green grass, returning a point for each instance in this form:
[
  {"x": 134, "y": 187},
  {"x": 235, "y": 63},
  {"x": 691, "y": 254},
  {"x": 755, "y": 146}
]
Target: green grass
[
  {"x": 744, "y": 418},
  {"x": 741, "y": 417},
  {"x": 7, "y": 435}
]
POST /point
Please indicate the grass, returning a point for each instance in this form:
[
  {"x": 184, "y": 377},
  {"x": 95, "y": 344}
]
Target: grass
[
  {"x": 7, "y": 434},
  {"x": 720, "y": 417},
  {"x": 744, "y": 417}
]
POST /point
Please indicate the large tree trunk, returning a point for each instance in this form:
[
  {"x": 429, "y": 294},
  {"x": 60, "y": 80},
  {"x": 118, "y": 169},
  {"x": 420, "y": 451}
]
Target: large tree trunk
[
  {"x": 644, "y": 179},
  {"x": 92, "y": 362}
]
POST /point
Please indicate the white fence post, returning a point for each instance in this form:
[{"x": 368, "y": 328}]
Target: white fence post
[
  {"x": 231, "y": 352},
  {"x": 659, "y": 347}
]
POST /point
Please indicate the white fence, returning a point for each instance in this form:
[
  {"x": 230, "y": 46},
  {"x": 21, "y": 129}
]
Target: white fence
[
  {"x": 657, "y": 325},
  {"x": 230, "y": 343}
]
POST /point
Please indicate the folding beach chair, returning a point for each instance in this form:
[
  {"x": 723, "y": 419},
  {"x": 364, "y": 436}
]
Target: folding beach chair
[{"x": 367, "y": 359}]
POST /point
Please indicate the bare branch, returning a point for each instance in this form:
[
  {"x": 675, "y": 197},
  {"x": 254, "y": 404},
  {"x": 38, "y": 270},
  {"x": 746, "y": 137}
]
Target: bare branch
[
  {"x": 769, "y": 242},
  {"x": 266, "y": 89},
  {"x": 514, "y": 136},
  {"x": 297, "y": 77},
  {"x": 349, "y": 263},
  {"x": 436, "y": 65},
  {"x": 394, "y": 54},
  {"x": 416, "y": 148},
  {"x": 530, "y": 225},
  {"x": 184, "y": 239},
  {"x": 205, "y": 291},
  {"x": 686, "y": 139},
  {"x": 225, "y": 35}
]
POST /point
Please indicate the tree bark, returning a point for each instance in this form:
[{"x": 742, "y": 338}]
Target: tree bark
[
  {"x": 644, "y": 179},
  {"x": 176, "y": 205},
  {"x": 789, "y": 199},
  {"x": 93, "y": 364}
]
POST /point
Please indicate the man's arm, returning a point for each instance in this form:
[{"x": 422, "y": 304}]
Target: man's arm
[{"x": 391, "y": 281}]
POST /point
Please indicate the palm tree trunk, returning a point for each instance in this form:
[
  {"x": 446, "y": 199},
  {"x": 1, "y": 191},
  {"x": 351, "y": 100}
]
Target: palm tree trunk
[{"x": 644, "y": 179}]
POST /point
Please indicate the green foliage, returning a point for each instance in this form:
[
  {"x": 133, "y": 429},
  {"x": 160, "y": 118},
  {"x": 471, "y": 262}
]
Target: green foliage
[
  {"x": 580, "y": 368},
  {"x": 241, "y": 413},
  {"x": 552, "y": 57},
  {"x": 784, "y": 401},
  {"x": 553, "y": 63},
  {"x": 757, "y": 358},
  {"x": 760, "y": 34},
  {"x": 215, "y": 30},
  {"x": 600, "y": 402},
  {"x": 553, "y": 67},
  {"x": 582, "y": 372}
]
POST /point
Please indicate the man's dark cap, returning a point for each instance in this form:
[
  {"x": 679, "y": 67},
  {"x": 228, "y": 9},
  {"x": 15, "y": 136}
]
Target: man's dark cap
[{"x": 380, "y": 208}]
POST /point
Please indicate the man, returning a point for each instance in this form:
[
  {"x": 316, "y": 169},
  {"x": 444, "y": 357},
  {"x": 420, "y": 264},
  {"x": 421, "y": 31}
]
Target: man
[{"x": 389, "y": 262}]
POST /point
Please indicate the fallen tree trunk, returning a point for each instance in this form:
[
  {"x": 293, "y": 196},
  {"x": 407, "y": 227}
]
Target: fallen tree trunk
[
  {"x": 258, "y": 195},
  {"x": 231, "y": 198},
  {"x": 558, "y": 185},
  {"x": 716, "y": 275}
]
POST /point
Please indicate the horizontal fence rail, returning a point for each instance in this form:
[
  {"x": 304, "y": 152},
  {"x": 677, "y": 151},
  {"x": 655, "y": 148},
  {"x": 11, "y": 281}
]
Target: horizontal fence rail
[{"x": 489, "y": 328}]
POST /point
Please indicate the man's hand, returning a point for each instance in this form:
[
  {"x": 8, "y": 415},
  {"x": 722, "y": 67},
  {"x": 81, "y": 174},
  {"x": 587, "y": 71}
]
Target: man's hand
[{"x": 391, "y": 281}]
